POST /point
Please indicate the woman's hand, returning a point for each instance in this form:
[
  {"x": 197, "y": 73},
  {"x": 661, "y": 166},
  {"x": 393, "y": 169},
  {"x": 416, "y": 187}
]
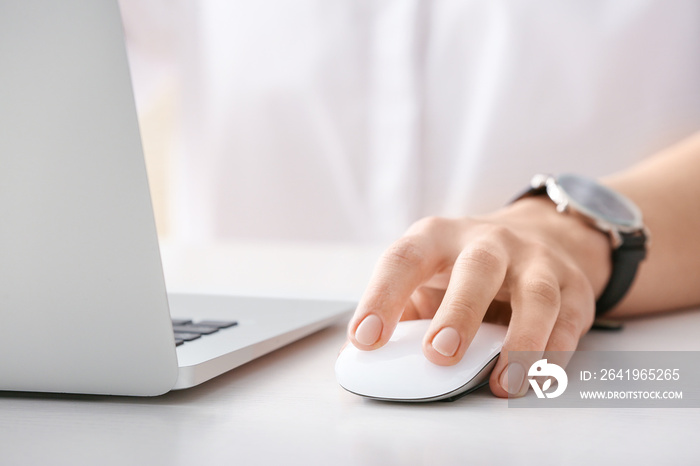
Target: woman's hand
[{"x": 526, "y": 265}]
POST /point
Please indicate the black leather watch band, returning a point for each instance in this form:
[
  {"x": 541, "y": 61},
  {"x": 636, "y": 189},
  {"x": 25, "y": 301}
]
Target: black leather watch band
[{"x": 625, "y": 261}]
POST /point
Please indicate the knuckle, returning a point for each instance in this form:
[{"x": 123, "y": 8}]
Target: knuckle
[
  {"x": 500, "y": 233},
  {"x": 566, "y": 334},
  {"x": 429, "y": 224},
  {"x": 405, "y": 253},
  {"x": 544, "y": 290},
  {"x": 464, "y": 308},
  {"x": 483, "y": 257}
]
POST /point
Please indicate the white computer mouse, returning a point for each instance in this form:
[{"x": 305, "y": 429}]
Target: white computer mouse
[{"x": 398, "y": 371}]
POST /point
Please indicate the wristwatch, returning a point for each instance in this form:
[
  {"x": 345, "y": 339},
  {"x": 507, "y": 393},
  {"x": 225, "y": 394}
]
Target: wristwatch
[{"x": 608, "y": 211}]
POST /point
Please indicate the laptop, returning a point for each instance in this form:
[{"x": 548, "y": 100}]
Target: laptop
[{"x": 83, "y": 303}]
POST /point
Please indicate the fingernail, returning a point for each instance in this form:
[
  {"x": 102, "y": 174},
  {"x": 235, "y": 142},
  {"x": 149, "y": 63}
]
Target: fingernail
[
  {"x": 446, "y": 341},
  {"x": 368, "y": 331},
  {"x": 512, "y": 378}
]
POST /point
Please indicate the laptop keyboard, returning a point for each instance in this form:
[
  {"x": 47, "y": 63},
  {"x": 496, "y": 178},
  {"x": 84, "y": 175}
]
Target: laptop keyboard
[{"x": 186, "y": 330}]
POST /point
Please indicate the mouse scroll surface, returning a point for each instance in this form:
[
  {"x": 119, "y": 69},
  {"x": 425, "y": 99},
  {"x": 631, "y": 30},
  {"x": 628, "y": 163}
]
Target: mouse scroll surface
[{"x": 398, "y": 371}]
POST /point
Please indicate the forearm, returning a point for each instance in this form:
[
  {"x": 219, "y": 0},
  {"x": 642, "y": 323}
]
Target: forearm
[{"x": 666, "y": 187}]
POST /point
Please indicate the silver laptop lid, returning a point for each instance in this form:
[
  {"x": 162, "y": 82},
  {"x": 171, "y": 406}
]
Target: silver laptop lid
[{"x": 83, "y": 307}]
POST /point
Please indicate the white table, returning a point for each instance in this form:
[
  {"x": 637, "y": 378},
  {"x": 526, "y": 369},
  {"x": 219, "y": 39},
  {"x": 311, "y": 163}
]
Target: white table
[{"x": 286, "y": 408}]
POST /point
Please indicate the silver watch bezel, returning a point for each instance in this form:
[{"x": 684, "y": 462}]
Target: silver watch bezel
[{"x": 566, "y": 203}]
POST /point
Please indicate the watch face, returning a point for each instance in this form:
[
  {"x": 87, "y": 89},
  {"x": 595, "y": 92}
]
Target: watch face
[{"x": 598, "y": 201}]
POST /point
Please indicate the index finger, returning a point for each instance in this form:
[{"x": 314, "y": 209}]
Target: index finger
[{"x": 409, "y": 262}]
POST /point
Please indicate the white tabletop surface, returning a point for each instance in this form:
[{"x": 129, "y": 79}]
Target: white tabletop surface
[{"x": 286, "y": 408}]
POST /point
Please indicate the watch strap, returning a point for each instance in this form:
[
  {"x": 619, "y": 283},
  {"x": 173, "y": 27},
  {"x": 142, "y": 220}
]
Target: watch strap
[{"x": 625, "y": 261}]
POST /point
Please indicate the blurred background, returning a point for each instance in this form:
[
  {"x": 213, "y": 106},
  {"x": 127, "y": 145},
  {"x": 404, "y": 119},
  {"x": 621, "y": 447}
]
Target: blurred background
[{"x": 345, "y": 121}]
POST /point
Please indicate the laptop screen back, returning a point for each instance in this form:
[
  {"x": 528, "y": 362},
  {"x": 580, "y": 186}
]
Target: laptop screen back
[{"x": 79, "y": 255}]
